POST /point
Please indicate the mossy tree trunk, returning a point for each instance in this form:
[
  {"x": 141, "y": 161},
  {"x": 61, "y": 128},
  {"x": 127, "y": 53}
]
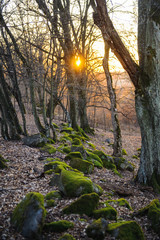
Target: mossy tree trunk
[
  {"x": 145, "y": 77},
  {"x": 117, "y": 146},
  {"x": 148, "y": 96}
]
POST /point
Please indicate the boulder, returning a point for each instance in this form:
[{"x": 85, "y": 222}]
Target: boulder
[
  {"x": 97, "y": 229},
  {"x": 49, "y": 148},
  {"x": 67, "y": 237},
  {"x": 53, "y": 195},
  {"x": 92, "y": 157},
  {"x": 107, "y": 213},
  {"x": 121, "y": 202},
  {"x": 152, "y": 211},
  {"x": 29, "y": 215},
  {"x": 56, "y": 166},
  {"x": 122, "y": 164},
  {"x": 82, "y": 165},
  {"x": 127, "y": 230},
  {"x": 36, "y": 140},
  {"x": 58, "y": 226},
  {"x": 74, "y": 184},
  {"x": 107, "y": 160},
  {"x": 85, "y": 204}
]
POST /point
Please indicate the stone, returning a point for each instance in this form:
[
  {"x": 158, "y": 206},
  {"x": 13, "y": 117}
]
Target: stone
[
  {"x": 107, "y": 213},
  {"x": 85, "y": 204},
  {"x": 29, "y": 215},
  {"x": 122, "y": 164},
  {"x": 127, "y": 230},
  {"x": 67, "y": 237},
  {"x": 49, "y": 148},
  {"x": 97, "y": 229},
  {"x": 35, "y": 140},
  {"x": 82, "y": 165},
  {"x": 75, "y": 184},
  {"x": 58, "y": 226}
]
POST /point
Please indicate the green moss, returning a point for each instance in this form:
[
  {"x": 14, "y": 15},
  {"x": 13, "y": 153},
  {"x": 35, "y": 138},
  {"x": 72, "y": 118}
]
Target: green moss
[
  {"x": 92, "y": 157},
  {"x": 76, "y": 141},
  {"x": 91, "y": 145},
  {"x": 107, "y": 160},
  {"x": 67, "y": 237},
  {"x": 50, "y": 203},
  {"x": 59, "y": 226},
  {"x": 53, "y": 195},
  {"x": 122, "y": 164},
  {"x": 83, "y": 205},
  {"x": 121, "y": 202},
  {"x": 75, "y": 184},
  {"x": 3, "y": 162},
  {"x": 66, "y": 149},
  {"x": 36, "y": 200},
  {"x": 106, "y": 213},
  {"x": 73, "y": 155},
  {"x": 124, "y": 152},
  {"x": 135, "y": 156},
  {"x": 48, "y": 148},
  {"x": 97, "y": 229},
  {"x": 82, "y": 165},
  {"x": 56, "y": 166},
  {"x": 128, "y": 230},
  {"x": 155, "y": 182},
  {"x": 55, "y": 125}
]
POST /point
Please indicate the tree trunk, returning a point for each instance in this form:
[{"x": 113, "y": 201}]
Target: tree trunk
[
  {"x": 146, "y": 79},
  {"x": 148, "y": 97},
  {"x": 117, "y": 146}
]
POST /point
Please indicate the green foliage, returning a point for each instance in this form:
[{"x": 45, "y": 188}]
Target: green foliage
[
  {"x": 85, "y": 204},
  {"x": 58, "y": 226},
  {"x": 127, "y": 230}
]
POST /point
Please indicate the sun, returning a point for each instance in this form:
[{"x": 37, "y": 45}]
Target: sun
[{"x": 78, "y": 62}]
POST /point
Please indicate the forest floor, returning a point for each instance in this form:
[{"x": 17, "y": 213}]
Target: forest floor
[{"x": 25, "y": 167}]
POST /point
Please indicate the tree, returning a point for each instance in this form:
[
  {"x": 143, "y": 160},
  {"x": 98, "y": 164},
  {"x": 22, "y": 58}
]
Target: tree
[{"x": 145, "y": 77}]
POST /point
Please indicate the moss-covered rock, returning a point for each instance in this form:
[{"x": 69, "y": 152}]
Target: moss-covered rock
[
  {"x": 73, "y": 155},
  {"x": 107, "y": 160},
  {"x": 97, "y": 229},
  {"x": 29, "y": 215},
  {"x": 82, "y": 165},
  {"x": 122, "y": 164},
  {"x": 108, "y": 212},
  {"x": 124, "y": 152},
  {"x": 3, "y": 162},
  {"x": 92, "y": 145},
  {"x": 152, "y": 210},
  {"x": 53, "y": 195},
  {"x": 127, "y": 230},
  {"x": 85, "y": 204},
  {"x": 79, "y": 148},
  {"x": 56, "y": 166},
  {"x": 67, "y": 237},
  {"x": 58, "y": 226},
  {"x": 67, "y": 130},
  {"x": 49, "y": 203},
  {"x": 76, "y": 141},
  {"x": 121, "y": 202},
  {"x": 55, "y": 125},
  {"x": 74, "y": 184},
  {"x": 36, "y": 140},
  {"x": 92, "y": 157},
  {"x": 49, "y": 148}
]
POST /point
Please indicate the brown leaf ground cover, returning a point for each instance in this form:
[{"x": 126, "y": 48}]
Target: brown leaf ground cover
[{"x": 25, "y": 167}]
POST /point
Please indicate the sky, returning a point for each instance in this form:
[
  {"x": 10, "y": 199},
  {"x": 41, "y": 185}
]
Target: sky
[{"x": 124, "y": 20}]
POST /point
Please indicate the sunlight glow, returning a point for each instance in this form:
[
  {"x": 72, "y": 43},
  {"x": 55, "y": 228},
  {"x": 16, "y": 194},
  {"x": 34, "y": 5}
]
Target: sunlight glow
[{"x": 78, "y": 62}]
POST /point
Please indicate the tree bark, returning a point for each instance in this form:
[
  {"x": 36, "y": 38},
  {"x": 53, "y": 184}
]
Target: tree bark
[
  {"x": 117, "y": 146},
  {"x": 145, "y": 77}
]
